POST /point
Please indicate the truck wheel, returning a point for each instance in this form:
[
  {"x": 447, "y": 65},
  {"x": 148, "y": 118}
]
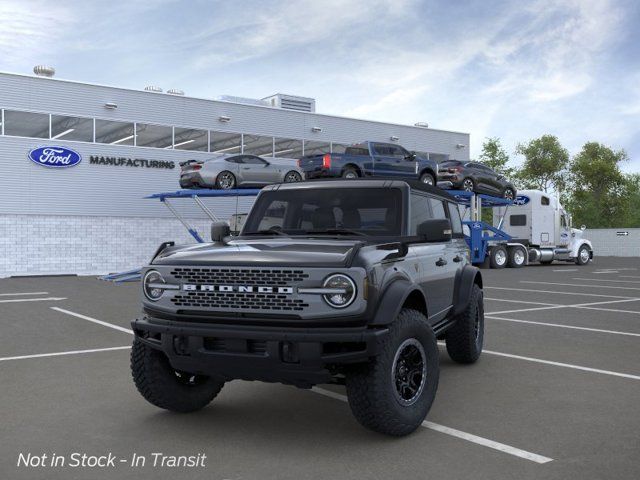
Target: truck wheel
[
  {"x": 427, "y": 179},
  {"x": 350, "y": 173},
  {"x": 167, "y": 388},
  {"x": 393, "y": 393},
  {"x": 517, "y": 257},
  {"x": 584, "y": 255},
  {"x": 498, "y": 257},
  {"x": 466, "y": 337}
]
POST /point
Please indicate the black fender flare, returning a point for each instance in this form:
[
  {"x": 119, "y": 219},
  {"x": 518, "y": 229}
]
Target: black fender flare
[
  {"x": 392, "y": 300},
  {"x": 466, "y": 278}
]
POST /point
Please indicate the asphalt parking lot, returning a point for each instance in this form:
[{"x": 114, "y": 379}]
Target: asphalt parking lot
[{"x": 555, "y": 394}]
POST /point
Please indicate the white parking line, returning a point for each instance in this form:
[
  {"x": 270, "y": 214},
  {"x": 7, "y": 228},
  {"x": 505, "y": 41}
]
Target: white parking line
[
  {"x": 565, "y": 365},
  {"x": 47, "y": 299},
  {"x": 556, "y": 292},
  {"x": 22, "y": 293},
  {"x": 576, "y": 305},
  {"x": 519, "y": 301},
  {"x": 604, "y": 280},
  {"x": 58, "y": 354},
  {"x": 567, "y": 270},
  {"x": 572, "y": 327},
  {"x": 469, "y": 437},
  {"x": 94, "y": 320},
  {"x": 579, "y": 285}
]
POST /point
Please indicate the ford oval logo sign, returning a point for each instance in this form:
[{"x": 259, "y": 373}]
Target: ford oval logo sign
[
  {"x": 521, "y": 200},
  {"x": 55, "y": 157}
]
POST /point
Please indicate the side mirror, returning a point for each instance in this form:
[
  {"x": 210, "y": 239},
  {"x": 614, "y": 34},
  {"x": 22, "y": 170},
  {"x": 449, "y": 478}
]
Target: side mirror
[
  {"x": 435, "y": 230},
  {"x": 583, "y": 228},
  {"x": 219, "y": 230},
  {"x": 410, "y": 157}
]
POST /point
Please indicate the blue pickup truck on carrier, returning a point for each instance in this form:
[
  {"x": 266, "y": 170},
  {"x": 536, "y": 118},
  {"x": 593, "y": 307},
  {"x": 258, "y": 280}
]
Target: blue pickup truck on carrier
[{"x": 371, "y": 159}]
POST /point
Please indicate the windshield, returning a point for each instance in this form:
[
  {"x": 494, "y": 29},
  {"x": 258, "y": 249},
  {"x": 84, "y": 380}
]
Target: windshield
[{"x": 327, "y": 211}]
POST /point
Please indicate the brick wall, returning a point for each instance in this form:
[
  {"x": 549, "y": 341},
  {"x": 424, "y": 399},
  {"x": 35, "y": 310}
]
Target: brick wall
[
  {"x": 43, "y": 244},
  {"x": 613, "y": 241}
]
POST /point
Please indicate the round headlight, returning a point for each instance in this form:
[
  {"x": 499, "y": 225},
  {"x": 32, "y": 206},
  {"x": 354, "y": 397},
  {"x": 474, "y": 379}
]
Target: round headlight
[
  {"x": 150, "y": 285},
  {"x": 345, "y": 291}
]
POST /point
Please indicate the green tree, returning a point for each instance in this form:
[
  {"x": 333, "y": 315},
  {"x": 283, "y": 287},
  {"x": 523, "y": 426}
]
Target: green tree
[
  {"x": 600, "y": 192},
  {"x": 632, "y": 184},
  {"x": 496, "y": 157},
  {"x": 545, "y": 164}
]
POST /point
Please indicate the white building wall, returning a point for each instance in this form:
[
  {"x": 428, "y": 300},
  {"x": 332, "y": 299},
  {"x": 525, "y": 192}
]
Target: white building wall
[
  {"x": 84, "y": 245},
  {"x": 614, "y": 242}
]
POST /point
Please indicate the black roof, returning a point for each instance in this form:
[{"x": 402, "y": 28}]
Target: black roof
[{"x": 370, "y": 182}]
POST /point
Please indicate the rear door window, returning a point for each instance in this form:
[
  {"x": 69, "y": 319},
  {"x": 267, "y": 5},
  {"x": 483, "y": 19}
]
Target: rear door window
[{"x": 456, "y": 222}]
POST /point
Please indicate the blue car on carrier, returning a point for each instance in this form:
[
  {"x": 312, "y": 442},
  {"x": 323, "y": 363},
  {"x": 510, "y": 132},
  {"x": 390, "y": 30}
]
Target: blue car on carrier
[{"x": 370, "y": 159}]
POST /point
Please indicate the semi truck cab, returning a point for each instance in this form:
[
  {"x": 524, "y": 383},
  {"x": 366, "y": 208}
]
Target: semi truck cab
[{"x": 538, "y": 221}]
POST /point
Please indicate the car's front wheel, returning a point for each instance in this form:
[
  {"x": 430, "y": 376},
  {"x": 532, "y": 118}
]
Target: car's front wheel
[
  {"x": 292, "y": 177},
  {"x": 225, "y": 180},
  {"x": 393, "y": 393},
  {"x": 163, "y": 386}
]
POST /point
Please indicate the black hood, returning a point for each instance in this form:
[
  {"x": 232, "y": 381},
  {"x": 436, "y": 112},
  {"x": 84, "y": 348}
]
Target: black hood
[{"x": 284, "y": 252}]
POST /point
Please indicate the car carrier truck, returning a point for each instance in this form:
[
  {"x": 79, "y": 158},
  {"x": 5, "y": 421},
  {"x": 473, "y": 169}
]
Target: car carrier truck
[{"x": 540, "y": 228}]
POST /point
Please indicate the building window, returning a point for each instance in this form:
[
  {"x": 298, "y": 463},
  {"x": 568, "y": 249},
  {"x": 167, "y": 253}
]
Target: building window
[
  {"x": 190, "y": 139},
  {"x": 258, "y": 145},
  {"x": 338, "y": 147},
  {"x": 26, "y": 124},
  {"x": 287, "y": 148},
  {"x": 156, "y": 136},
  {"x": 114, "y": 133},
  {"x": 71, "y": 128},
  {"x": 225, "y": 143},
  {"x": 316, "y": 148}
]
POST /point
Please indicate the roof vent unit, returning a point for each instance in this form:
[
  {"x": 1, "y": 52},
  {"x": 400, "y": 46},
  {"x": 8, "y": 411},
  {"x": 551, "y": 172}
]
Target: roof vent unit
[
  {"x": 243, "y": 100},
  {"x": 291, "y": 102},
  {"x": 44, "y": 71},
  {"x": 175, "y": 91},
  {"x": 153, "y": 88}
]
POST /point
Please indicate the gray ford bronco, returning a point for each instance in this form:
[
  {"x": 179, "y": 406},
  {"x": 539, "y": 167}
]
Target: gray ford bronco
[{"x": 337, "y": 281}]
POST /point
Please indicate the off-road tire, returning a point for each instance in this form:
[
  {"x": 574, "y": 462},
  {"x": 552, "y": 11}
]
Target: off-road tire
[
  {"x": 495, "y": 258},
  {"x": 428, "y": 179},
  {"x": 350, "y": 173},
  {"x": 371, "y": 388},
  {"x": 579, "y": 260},
  {"x": 464, "y": 342},
  {"x": 161, "y": 386}
]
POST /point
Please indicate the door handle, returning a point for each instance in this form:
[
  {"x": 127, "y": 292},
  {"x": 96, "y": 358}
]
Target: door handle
[
  {"x": 457, "y": 258},
  {"x": 441, "y": 262}
]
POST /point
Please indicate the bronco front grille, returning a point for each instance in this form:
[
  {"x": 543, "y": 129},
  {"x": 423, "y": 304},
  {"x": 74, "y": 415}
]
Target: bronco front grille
[
  {"x": 238, "y": 301},
  {"x": 239, "y": 276}
]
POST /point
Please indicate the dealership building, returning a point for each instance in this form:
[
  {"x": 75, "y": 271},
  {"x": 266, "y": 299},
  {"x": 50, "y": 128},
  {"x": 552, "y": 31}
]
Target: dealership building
[{"x": 92, "y": 217}]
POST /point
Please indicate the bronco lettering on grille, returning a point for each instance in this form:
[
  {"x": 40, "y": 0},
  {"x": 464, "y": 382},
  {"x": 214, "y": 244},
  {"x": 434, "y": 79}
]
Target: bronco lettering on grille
[{"x": 237, "y": 288}]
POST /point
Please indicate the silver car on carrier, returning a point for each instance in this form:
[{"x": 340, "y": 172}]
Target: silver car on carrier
[{"x": 239, "y": 170}]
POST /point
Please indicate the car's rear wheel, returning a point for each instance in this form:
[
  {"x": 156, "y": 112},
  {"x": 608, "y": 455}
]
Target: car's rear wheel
[
  {"x": 508, "y": 193},
  {"x": 292, "y": 177},
  {"x": 468, "y": 185},
  {"x": 466, "y": 337},
  {"x": 393, "y": 393},
  {"x": 350, "y": 173},
  {"x": 427, "y": 179},
  {"x": 225, "y": 180},
  {"x": 163, "y": 386}
]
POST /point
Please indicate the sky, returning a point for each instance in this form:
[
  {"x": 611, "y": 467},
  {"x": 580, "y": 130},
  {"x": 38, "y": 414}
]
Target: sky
[{"x": 509, "y": 69}]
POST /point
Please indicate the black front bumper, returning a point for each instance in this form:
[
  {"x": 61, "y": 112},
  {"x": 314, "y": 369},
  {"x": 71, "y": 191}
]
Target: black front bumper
[{"x": 298, "y": 356}]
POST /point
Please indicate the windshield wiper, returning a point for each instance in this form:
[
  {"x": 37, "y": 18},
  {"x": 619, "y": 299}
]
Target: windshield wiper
[{"x": 336, "y": 231}]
